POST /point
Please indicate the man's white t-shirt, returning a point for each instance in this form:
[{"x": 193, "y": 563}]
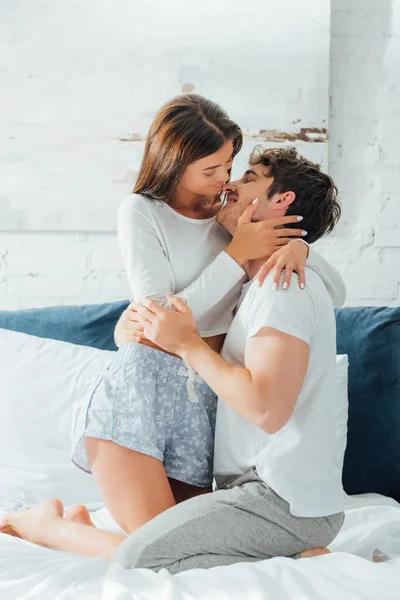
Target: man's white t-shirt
[{"x": 303, "y": 461}]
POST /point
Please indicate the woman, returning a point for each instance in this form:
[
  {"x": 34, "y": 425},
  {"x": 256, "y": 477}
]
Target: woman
[{"x": 148, "y": 432}]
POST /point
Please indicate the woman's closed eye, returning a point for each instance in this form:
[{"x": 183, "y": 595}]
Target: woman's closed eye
[{"x": 228, "y": 168}]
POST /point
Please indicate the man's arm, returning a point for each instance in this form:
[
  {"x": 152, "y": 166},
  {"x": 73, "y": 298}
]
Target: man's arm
[{"x": 264, "y": 391}]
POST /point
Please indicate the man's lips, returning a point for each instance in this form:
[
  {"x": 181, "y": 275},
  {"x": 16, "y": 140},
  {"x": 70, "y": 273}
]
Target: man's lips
[
  {"x": 231, "y": 198},
  {"x": 228, "y": 197}
]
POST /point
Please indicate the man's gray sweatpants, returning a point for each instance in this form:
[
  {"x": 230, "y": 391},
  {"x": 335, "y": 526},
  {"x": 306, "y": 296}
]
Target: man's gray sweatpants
[{"x": 244, "y": 520}]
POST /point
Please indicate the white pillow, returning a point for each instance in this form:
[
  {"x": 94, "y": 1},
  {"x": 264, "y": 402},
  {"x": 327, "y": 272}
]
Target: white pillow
[{"x": 43, "y": 385}]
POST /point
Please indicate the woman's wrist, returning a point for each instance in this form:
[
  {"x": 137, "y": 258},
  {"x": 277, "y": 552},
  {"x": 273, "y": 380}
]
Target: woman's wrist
[
  {"x": 234, "y": 252},
  {"x": 304, "y": 242}
]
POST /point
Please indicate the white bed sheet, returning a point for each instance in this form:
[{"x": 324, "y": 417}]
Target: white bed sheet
[{"x": 30, "y": 572}]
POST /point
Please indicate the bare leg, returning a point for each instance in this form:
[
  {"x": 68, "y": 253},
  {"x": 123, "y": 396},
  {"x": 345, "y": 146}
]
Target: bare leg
[
  {"x": 45, "y": 525},
  {"x": 134, "y": 486},
  {"x": 181, "y": 491}
]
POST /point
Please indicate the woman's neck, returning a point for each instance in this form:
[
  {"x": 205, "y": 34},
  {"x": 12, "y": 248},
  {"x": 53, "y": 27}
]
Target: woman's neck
[{"x": 190, "y": 204}]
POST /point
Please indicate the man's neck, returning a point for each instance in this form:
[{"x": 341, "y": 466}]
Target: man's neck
[{"x": 253, "y": 266}]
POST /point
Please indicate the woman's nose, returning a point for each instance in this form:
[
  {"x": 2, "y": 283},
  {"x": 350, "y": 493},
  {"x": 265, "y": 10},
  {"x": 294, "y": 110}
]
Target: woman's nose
[{"x": 222, "y": 175}]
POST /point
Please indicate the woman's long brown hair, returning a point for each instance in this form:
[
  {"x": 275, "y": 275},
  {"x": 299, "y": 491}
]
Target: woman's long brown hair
[{"x": 186, "y": 129}]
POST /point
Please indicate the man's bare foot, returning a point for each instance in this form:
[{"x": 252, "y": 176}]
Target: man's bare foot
[
  {"x": 314, "y": 552},
  {"x": 32, "y": 524},
  {"x": 79, "y": 514},
  {"x": 379, "y": 556}
]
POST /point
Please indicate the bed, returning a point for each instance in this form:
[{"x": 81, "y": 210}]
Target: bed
[
  {"x": 372, "y": 521},
  {"x": 30, "y": 472}
]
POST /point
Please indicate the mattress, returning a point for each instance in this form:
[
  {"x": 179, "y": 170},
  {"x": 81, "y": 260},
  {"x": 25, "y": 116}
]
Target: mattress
[{"x": 372, "y": 522}]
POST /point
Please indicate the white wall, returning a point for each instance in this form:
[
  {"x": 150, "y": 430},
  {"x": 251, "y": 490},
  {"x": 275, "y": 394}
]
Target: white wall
[
  {"x": 81, "y": 85},
  {"x": 364, "y": 148},
  {"x": 38, "y": 269}
]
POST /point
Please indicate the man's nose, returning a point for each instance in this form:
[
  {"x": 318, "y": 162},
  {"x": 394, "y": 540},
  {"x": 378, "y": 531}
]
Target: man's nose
[{"x": 230, "y": 187}]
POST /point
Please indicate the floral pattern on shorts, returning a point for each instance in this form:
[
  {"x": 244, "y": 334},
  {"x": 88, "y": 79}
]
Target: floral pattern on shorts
[{"x": 154, "y": 403}]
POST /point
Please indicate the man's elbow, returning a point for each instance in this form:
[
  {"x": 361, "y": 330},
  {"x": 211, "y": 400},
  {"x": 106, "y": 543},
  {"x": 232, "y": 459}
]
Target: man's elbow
[
  {"x": 270, "y": 413},
  {"x": 270, "y": 422}
]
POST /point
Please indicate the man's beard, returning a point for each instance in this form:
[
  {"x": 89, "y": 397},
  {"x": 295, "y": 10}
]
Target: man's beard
[{"x": 227, "y": 221}]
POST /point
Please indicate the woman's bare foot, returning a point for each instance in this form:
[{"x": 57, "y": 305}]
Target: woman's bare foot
[
  {"x": 314, "y": 552},
  {"x": 79, "y": 514},
  {"x": 32, "y": 524}
]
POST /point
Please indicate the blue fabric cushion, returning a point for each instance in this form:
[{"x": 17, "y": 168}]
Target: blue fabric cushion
[
  {"x": 88, "y": 325},
  {"x": 371, "y": 338}
]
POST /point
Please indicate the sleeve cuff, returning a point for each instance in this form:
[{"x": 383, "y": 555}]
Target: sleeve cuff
[
  {"x": 304, "y": 242},
  {"x": 284, "y": 328},
  {"x": 231, "y": 264}
]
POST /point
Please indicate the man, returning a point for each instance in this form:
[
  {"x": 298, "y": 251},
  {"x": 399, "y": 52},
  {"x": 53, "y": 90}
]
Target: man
[{"x": 278, "y": 460}]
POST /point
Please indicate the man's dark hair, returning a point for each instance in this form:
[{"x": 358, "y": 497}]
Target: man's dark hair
[{"x": 316, "y": 194}]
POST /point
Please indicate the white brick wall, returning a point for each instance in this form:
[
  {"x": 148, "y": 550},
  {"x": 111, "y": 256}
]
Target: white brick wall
[
  {"x": 43, "y": 269},
  {"x": 364, "y": 152},
  {"x": 39, "y": 269}
]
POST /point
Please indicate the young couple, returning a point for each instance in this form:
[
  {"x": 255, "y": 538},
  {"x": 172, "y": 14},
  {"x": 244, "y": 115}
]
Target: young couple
[{"x": 148, "y": 435}]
